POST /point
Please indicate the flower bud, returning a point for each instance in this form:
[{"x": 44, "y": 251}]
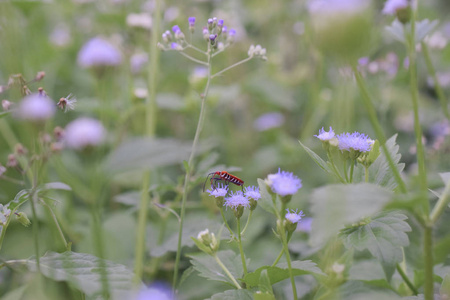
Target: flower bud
[
  {"x": 6, "y": 105},
  {"x": 23, "y": 219}
]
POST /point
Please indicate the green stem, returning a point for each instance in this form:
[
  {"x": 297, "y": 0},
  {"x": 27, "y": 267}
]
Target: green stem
[
  {"x": 3, "y": 233},
  {"x": 61, "y": 234},
  {"x": 406, "y": 279},
  {"x": 288, "y": 260},
  {"x": 99, "y": 249},
  {"x": 366, "y": 174},
  {"x": 201, "y": 62},
  {"x": 278, "y": 257},
  {"x": 219, "y": 262},
  {"x": 428, "y": 259},
  {"x": 141, "y": 232},
  {"x": 415, "y": 103},
  {"x": 437, "y": 85},
  {"x": 226, "y": 223},
  {"x": 345, "y": 171},
  {"x": 241, "y": 250},
  {"x": 352, "y": 167},
  {"x": 336, "y": 172},
  {"x": 232, "y": 66},
  {"x": 440, "y": 206},
  {"x": 377, "y": 127},
  {"x": 187, "y": 177},
  {"x": 35, "y": 225},
  {"x": 248, "y": 221}
]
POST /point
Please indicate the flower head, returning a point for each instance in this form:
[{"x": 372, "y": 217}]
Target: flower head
[
  {"x": 294, "y": 216},
  {"x": 220, "y": 191},
  {"x": 324, "y": 135},
  {"x": 156, "y": 291},
  {"x": 191, "y": 21},
  {"x": 99, "y": 52},
  {"x": 305, "y": 225},
  {"x": 236, "y": 199},
  {"x": 67, "y": 103},
  {"x": 36, "y": 107},
  {"x": 284, "y": 183},
  {"x": 354, "y": 141},
  {"x": 268, "y": 121},
  {"x": 392, "y": 6},
  {"x": 84, "y": 132},
  {"x": 252, "y": 192},
  {"x": 176, "y": 28}
]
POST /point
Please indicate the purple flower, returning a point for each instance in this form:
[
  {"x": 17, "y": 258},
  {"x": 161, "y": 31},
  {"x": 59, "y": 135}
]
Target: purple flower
[
  {"x": 335, "y": 7},
  {"x": 354, "y": 141},
  {"x": 212, "y": 37},
  {"x": 392, "y": 6},
  {"x": 98, "y": 52},
  {"x": 268, "y": 121},
  {"x": 137, "y": 61},
  {"x": 84, "y": 132},
  {"x": 252, "y": 192},
  {"x": 324, "y": 135},
  {"x": 35, "y": 107},
  {"x": 232, "y": 32},
  {"x": 220, "y": 23},
  {"x": 220, "y": 191},
  {"x": 284, "y": 183},
  {"x": 363, "y": 61},
  {"x": 294, "y": 216},
  {"x": 305, "y": 225},
  {"x": 236, "y": 200},
  {"x": 176, "y": 28},
  {"x": 191, "y": 21},
  {"x": 224, "y": 29},
  {"x": 156, "y": 291}
]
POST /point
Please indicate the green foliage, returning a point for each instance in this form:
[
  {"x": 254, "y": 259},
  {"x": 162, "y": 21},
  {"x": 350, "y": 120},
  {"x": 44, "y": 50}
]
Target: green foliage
[
  {"x": 335, "y": 206},
  {"x": 232, "y": 295},
  {"x": 281, "y": 272},
  {"x": 84, "y": 272},
  {"x": 383, "y": 235}
]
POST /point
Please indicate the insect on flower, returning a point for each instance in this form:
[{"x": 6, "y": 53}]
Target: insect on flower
[{"x": 225, "y": 176}]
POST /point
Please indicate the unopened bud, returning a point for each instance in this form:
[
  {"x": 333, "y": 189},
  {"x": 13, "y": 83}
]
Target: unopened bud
[
  {"x": 23, "y": 219},
  {"x": 6, "y": 105},
  {"x": 12, "y": 161},
  {"x": 19, "y": 149},
  {"x": 39, "y": 76}
]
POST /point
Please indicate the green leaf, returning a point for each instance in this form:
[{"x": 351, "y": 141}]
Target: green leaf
[
  {"x": 201, "y": 246},
  {"x": 264, "y": 285},
  {"x": 186, "y": 274},
  {"x": 319, "y": 161},
  {"x": 266, "y": 202},
  {"x": 19, "y": 199},
  {"x": 263, "y": 296},
  {"x": 281, "y": 272},
  {"x": 84, "y": 272},
  {"x": 16, "y": 294},
  {"x": 335, "y": 206},
  {"x": 233, "y": 295},
  {"x": 4, "y": 113},
  {"x": 55, "y": 186},
  {"x": 146, "y": 153},
  {"x": 370, "y": 272},
  {"x": 423, "y": 28},
  {"x": 445, "y": 287},
  {"x": 208, "y": 268},
  {"x": 383, "y": 235},
  {"x": 379, "y": 172}
]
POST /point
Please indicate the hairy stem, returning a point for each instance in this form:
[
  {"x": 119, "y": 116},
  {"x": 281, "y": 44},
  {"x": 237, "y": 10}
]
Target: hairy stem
[
  {"x": 224, "y": 268},
  {"x": 241, "y": 250}
]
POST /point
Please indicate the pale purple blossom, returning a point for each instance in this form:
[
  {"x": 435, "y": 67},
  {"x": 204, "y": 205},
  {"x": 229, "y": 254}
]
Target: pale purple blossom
[
  {"x": 294, "y": 216},
  {"x": 191, "y": 21},
  {"x": 221, "y": 190},
  {"x": 35, "y": 107},
  {"x": 268, "y": 121},
  {"x": 305, "y": 225},
  {"x": 335, "y": 7},
  {"x": 325, "y": 135},
  {"x": 155, "y": 292},
  {"x": 354, "y": 141},
  {"x": 284, "y": 183},
  {"x": 99, "y": 52},
  {"x": 392, "y": 6},
  {"x": 252, "y": 192},
  {"x": 236, "y": 199},
  {"x": 84, "y": 132},
  {"x": 137, "y": 61}
]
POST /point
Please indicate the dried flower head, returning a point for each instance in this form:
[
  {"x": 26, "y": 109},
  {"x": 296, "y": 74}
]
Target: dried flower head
[{"x": 67, "y": 103}]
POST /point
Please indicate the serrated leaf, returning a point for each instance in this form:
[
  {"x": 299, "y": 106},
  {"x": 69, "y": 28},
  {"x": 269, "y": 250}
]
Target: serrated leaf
[
  {"x": 317, "y": 159},
  {"x": 189, "y": 271},
  {"x": 146, "y": 153},
  {"x": 335, "y": 206},
  {"x": 281, "y": 272},
  {"x": 370, "y": 272},
  {"x": 379, "y": 172},
  {"x": 84, "y": 272},
  {"x": 233, "y": 295},
  {"x": 384, "y": 236},
  {"x": 266, "y": 202},
  {"x": 208, "y": 267}
]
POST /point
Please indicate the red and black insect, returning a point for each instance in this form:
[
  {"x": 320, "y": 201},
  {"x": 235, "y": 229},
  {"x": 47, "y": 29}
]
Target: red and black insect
[{"x": 225, "y": 176}]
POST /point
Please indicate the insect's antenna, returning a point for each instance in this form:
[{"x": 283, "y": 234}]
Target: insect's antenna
[{"x": 206, "y": 181}]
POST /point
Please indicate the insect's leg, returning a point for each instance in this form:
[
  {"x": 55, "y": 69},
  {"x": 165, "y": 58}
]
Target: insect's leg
[{"x": 213, "y": 183}]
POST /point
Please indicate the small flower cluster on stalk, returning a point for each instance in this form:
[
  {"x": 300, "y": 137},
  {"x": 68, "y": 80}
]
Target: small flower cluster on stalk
[{"x": 238, "y": 200}]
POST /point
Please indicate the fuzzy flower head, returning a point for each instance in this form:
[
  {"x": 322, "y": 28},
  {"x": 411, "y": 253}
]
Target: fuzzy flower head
[
  {"x": 220, "y": 191},
  {"x": 392, "y": 6},
  {"x": 325, "y": 135},
  {"x": 253, "y": 195},
  {"x": 357, "y": 142},
  {"x": 156, "y": 291},
  {"x": 268, "y": 121},
  {"x": 292, "y": 218},
  {"x": 99, "y": 52},
  {"x": 83, "y": 133},
  {"x": 284, "y": 183},
  {"x": 36, "y": 107},
  {"x": 237, "y": 201}
]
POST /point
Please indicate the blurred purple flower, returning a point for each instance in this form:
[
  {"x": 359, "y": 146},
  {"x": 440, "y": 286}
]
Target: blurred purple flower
[
  {"x": 36, "y": 107},
  {"x": 325, "y": 135},
  {"x": 268, "y": 121},
  {"x": 176, "y": 28},
  {"x": 236, "y": 199},
  {"x": 191, "y": 21},
  {"x": 284, "y": 183},
  {"x": 336, "y": 6},
  {"x": 392, "y": 6},
  {"x": 363, "y": 61},
  {"x": 232, "y": 32},
  {"x": 354, "y": 141},
  {"x": 156, "y": 292},
  {"x": 305, "y": 225},
  {"x": 84, "y": 132},
  {"x": 99, "y": 52},
  {"x": 137, "y": 61},
  {"x": 220, "y": 191},
  {"x": 252, "y": 192}
]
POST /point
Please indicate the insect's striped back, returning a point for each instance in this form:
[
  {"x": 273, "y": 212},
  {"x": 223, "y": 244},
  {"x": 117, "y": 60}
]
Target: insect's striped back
[{"x": 231, "y": 178}]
